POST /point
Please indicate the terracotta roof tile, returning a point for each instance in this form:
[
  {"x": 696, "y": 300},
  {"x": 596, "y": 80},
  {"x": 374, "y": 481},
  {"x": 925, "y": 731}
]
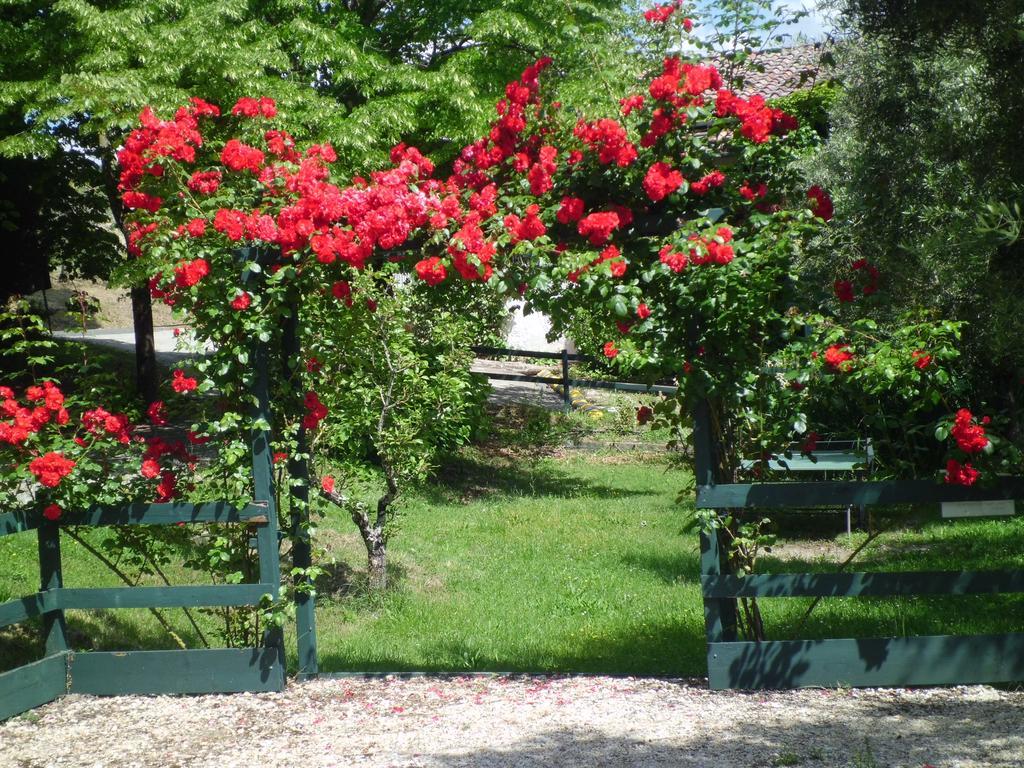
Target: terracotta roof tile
[{"x": 785, "y": 71}]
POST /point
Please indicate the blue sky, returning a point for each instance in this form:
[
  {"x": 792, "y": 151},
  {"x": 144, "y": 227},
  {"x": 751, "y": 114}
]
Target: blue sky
[{"x": 814, "y": 26}]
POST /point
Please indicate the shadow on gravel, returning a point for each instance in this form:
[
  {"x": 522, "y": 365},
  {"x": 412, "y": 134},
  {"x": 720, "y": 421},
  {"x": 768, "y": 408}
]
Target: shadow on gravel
[{"x": 877, "y": 734}]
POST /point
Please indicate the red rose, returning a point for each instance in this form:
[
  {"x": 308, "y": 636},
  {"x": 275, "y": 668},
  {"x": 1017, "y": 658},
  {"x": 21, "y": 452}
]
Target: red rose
[
  {"x": 970, "y": 436},
  {"x": 821, "y": 203},
  {"x": 241, "y": 302},
  {"x": 570, "y": 210},
  {"x": 598, "y": 227},
  {"x": 53, "y": 512},
  {"x": 961, "y": 474},
  {"x": 237, "y": 156},
  {"x": 204, "y": 182},
  {"x": 188, "y": 273},
  {"x": 609, "y": 350},
  {"x": 181, "y": 383},
  {"x": 810, "y": 443},
  {"x": 644, "y": 414},
  {"x": 155, "y": 412},
  {"x": 844, "y": 290},
  {"x": 315, "y": 410},
  {"x": 51, "y": 468},
  {"x": 431, "y": 271},
  {"x": 661, "y": 181},
  {"x": 921, "y": 359},
  {"x": 838, "y": 358},
  {"x": 659, "y": 14},
  {"x": 327, "y": 483}
]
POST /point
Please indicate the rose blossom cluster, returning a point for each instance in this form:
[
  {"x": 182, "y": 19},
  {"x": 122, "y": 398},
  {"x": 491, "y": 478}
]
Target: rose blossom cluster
[
  {"x": 40, "y": 441},
  {"x": 299, "y": 210},
  {"x": 970, "y": 438},
  {"x": 660, "y": 14},
  {"x": 271, "y": 192}
]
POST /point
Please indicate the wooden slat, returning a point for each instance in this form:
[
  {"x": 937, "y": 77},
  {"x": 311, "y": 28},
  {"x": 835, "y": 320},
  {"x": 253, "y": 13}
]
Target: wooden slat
[
  {"x": 844, "y": 493},
  {"x": 14, "y": 522},
  {"x": 165, "y": 514},
  {"x": 163, "y": 597},
  {"x": 502, "y": 352},
  {"x": 32, "y": 685},
  {"x": 141, "y": 514},
  {"x": 863, "y": 584},
  {"x": 14, "y": 611},
  {"x": 218, "y": 670},
  {"x": 621, "y": 386},
  {"x": 519, "y": 377},
  {"x": 827, "y": 461},
  {"x": 925, "y": 660}
]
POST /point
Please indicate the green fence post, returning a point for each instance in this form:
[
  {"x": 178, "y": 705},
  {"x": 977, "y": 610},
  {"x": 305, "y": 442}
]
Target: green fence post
[
  {"x": 55, "y": 633},
  {"x": 302, "y": 546},
  {"x": 566, "y": 394},
  {"x": 268, "y": 545},
  {"x": 719, "y": 613}
]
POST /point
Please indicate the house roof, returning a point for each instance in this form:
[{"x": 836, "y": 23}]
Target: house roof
[{"x": 785, "y": 70}]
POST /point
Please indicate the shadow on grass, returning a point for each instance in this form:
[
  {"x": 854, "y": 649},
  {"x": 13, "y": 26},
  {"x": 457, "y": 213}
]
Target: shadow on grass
[
  {"x": 675, "y": 568},
  {"x": 464, "y": 478},
  {"x": 105, "y": 630},
  {"x": 20, "y": 644},
  {"x": 675, "y": 649},
  {"x": 100, "y": 630},
  {"x": 340, "y": 581},
  {"x": 971, "y": 547}
]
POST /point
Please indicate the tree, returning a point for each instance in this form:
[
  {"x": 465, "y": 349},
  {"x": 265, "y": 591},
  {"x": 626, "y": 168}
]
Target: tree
[
  {"x": 360, "y": 74},
  {"x": 399, "y": 359},
  {"x": 681, "y": 220},
  {"x": 925, "y": 140}
]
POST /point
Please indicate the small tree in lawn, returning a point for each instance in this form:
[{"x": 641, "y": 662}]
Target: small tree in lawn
[{"x": 404, "y": 393}]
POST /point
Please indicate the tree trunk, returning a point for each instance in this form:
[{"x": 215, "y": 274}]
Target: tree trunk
[
  {"x": 377, "y": 572},
  {"x": 147, "y": 380},
  {"x": 376, "y": 547},
  {"x": 145, "y": 345}
]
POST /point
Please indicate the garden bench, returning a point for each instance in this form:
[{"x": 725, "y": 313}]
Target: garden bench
[{"x": 829, "y": 456}]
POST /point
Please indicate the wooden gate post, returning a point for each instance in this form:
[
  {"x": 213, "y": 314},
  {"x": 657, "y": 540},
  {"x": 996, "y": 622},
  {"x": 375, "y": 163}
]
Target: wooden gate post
[
  {"x": 302, "y": 546},
  {"x": 55, "y": 634},
  {"x": 719, "y": 613}
]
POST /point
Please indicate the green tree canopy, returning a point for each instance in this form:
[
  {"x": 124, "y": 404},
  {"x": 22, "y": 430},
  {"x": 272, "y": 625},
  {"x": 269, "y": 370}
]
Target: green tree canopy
[{"x": 925, "y": 137}]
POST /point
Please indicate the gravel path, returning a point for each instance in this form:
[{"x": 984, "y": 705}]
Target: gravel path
[{"x": 525, "y": 721}]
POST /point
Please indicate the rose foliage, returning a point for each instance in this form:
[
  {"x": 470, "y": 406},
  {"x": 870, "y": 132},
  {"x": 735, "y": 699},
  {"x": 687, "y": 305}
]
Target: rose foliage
[{"x": 673, "y": 217}]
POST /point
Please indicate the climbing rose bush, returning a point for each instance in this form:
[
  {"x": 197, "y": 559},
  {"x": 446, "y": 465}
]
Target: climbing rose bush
[
  {"x": 54, "y": 458},
  {"x": 675, "y": 202}
]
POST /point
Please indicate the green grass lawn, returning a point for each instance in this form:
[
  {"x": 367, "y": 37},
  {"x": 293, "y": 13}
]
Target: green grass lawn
[
  {"x": 519, "y": 561},
  {"x": 576, "y": 563}
]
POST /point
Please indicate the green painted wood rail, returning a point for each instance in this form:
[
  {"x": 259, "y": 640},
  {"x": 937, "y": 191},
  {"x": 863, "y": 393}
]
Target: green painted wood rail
[
  {"x": 217, "y": 670},
  {"x": 885, "y": 661}
]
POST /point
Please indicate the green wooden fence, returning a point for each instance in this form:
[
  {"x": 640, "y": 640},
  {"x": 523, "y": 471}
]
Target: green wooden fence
[
  {"x": 879, "y": 661},
  {"x": 219, "y": 670}
]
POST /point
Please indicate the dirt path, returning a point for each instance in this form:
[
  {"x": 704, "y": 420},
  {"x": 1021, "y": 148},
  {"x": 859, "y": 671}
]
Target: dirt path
[{"x": 526, "y": 721}]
